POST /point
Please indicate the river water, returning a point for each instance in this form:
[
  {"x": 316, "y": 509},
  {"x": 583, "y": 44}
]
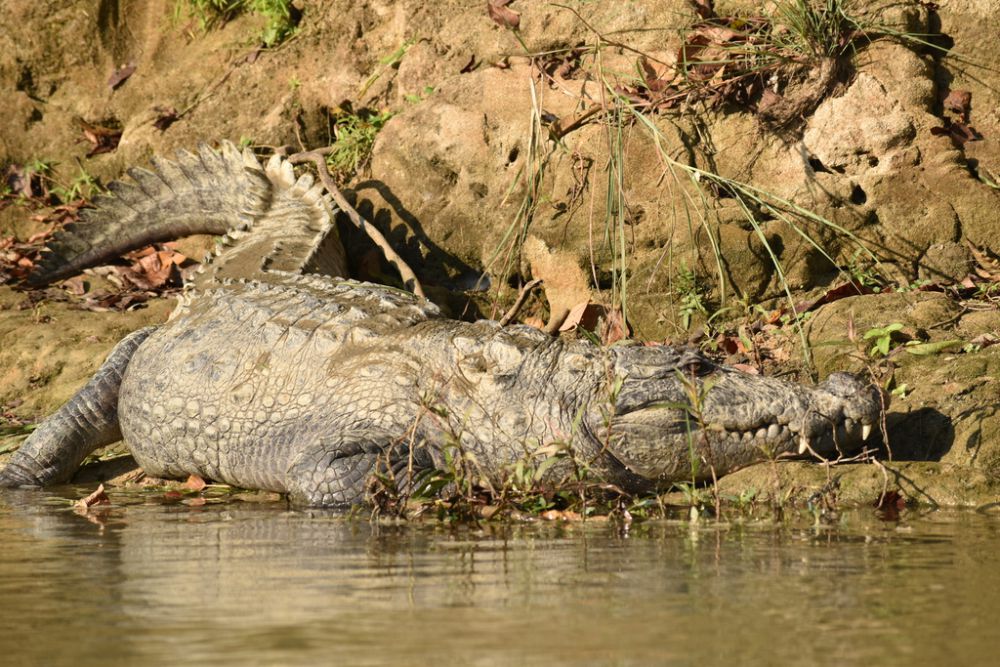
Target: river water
[{"x": 258, "y": 584}]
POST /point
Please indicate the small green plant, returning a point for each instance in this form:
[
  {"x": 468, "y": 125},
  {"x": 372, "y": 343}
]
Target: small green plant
[
  {"x": 38, "y": 166},
  {"x": 691, "y": 295},
  {"x": 882, "y": 338},
  {"x": 46, "y": 189},
  {"x": 282, "y": 17},
  {"x": 354, "y": 137},
  {"x": 913, "y": 286},
  {"x": 864, "y": 272},
  {"x": 745, "y": 501},
  {"x": 817, "y": 28},
  {"x": 386, "y": 63},
  {"x": 987, "y": 290},
  {"x": 82, "y": 186},
  {"x": 413, "y": 98}
]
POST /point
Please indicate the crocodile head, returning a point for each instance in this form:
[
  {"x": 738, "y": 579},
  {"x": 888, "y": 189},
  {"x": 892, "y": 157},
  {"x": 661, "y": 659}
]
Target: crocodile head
[{"x": 675, "y": 414}]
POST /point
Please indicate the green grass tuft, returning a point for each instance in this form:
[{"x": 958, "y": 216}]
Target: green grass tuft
[{"x": 282, "y": 17}]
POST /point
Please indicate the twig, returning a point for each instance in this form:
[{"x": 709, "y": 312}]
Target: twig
[
  {"x": 556, "y": 320},
  {"x": 317, "y": 157},
  {"x": 563, "y": 126},
  {"x": 522, "y": 296}
]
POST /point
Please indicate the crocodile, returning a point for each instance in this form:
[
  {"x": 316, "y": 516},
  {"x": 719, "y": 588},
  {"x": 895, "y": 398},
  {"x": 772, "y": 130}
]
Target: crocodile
[{"x": 278, "y": 372}]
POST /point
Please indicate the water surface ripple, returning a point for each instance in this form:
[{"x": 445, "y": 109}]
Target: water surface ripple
[{"x": 254, "y": 584}]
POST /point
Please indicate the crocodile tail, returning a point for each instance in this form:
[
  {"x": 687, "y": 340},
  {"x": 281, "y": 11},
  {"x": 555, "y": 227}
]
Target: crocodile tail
[
  {"x": 54, "y": 451},
  {"x": 296, "y": 234},
  {"x": 208, "y": 192}
]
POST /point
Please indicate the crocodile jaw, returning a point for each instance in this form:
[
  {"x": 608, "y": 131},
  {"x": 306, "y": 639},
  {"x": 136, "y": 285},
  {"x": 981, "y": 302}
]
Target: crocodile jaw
[{"x": 742, "y": 419}]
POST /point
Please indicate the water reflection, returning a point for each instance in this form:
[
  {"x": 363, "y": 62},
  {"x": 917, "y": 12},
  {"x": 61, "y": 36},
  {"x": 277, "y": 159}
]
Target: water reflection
[{"x": 258, "y": 584}]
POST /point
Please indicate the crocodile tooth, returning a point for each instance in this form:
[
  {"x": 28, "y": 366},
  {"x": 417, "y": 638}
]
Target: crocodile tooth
[
  {"x": 866, "y": 430},
  {"x": 803, "y": 443},
  {"x": 773, "y": 431}
]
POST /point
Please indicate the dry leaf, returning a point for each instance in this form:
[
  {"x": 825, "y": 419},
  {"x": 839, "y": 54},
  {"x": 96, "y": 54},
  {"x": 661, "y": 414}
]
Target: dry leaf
[
  {"x": 656, "y": 75},
  {"x": 986, "y": 266},
  {"x": 502, "y": 15},
  {"x": 985, "y": 340},
  {"x": 960, "y": 102},
  {"x": 102, "y": 139},
  {"x": 582, "y": 314},
  {"x": 75, "y": 285},
  {"x": 195, "y": 483},
  {"x": 959, "y": 132},
  {"x": 615, "y": 328},
  {"x": 120, "y": 75}
]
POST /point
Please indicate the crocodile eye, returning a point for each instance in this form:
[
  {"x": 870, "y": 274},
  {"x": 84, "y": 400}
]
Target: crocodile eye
[{"x": 697, "y": 367}]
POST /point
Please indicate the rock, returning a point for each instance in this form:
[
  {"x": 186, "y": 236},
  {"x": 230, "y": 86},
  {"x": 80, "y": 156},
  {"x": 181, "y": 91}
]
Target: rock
[{"x": 945, "y": 262}]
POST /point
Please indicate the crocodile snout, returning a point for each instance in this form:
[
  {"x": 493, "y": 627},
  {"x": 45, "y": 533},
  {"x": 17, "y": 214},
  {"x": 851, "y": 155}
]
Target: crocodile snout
[{"x": 842, "y": 413}]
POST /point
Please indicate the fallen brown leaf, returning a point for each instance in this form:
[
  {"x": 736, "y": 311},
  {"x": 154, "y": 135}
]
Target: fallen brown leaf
[
  {"x": 75, "y": 285},
  {"x": 985, "y": 340},
  {"x": 195, "y": 483},
  {"x": 153, "y": 267},
  {"x": 960, "y": 102},
  {"x": 502, "y": 15},
  {"x": 583, "y": 314},
  {"x": 615, "y": 328},
  {"x": 986, "y": 266},
  {"x": 959, "y": 132},
  {"x": 120, "y": 75},
  {"x": 889, "y": 504},
  {"x": 656, "y": 75},
  {"x": 102, "y": 139}
]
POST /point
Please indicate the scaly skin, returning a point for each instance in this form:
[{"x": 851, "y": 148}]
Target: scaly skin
[
  {"x": 299, "y": 384},
  {"x": 308, "y": 384}
]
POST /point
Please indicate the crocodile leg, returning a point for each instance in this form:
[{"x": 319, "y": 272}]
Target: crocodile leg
[
  {"x": 54, "y": 451},
  {"x": 335, "y": 473}
]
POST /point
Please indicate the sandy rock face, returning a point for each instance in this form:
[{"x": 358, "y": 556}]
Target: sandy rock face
[{"x": 854, "y": 132}]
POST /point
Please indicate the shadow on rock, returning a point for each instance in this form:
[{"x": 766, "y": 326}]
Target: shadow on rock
[
  {"x": 433, "y": 264},
  {"x": 925, "y": 434}
]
